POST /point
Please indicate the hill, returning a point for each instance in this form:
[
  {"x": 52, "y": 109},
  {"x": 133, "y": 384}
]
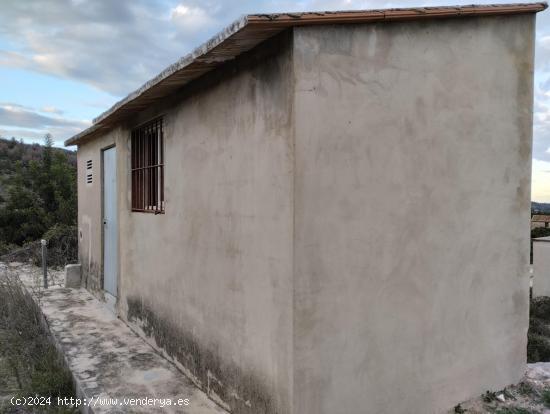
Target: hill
[
  {"x": 540, "y": 208},
  {"x": 13, "y": 152},
  {"x": 37, "y": 192}
]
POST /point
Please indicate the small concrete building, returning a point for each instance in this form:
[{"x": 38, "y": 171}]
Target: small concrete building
[
  {"x": 541, "y": 266},
  {"x": 540, "y": 220},
  {"x": 248, "y": 210}
]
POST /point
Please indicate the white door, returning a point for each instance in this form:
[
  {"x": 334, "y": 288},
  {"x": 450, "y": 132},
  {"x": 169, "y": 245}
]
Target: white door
[{"x": 110, "y": 225}]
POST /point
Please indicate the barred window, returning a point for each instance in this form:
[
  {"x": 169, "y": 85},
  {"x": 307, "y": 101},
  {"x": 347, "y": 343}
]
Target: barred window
[{"x": 147, "y": 153}]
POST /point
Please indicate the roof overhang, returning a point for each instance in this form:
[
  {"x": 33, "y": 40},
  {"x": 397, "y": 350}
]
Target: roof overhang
[{"x": 249, "y": 31}]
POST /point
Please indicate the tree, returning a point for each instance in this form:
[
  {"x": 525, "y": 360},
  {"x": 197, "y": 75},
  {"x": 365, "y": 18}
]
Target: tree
[
  {"x": 46, "y": 187},
  {"x": 23, "y": 217},
  {"x": 38, "y": 189},
  {"x": 63, "y": 179}
]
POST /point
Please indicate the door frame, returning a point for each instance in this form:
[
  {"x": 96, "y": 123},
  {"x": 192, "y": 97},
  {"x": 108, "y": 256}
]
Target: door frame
[{"x": 111, "y": 300}]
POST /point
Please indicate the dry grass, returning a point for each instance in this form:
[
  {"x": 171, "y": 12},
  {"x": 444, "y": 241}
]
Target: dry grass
[{"x": 28, "y": 358}]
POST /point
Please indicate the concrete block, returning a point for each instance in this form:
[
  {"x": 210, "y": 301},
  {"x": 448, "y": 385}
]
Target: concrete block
[{"x": 72, "y": 276}]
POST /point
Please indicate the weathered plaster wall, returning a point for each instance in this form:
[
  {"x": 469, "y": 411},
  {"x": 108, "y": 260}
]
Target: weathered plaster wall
[
  {"x": 90, "y": 218},
  {"x": 541, "y": 267},
  {"x": 211, "y": 280},
  {"x": 413, "y": 147},
  {"x": 333, "y": 238}
]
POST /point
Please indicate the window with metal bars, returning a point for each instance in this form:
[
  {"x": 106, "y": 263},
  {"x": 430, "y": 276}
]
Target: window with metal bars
[{"x": 147, "y": 164}]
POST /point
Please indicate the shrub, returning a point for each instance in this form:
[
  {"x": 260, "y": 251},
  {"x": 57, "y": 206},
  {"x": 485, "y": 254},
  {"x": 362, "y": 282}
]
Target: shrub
[
  {"x": 526, "y": 388},
  {"x": 26, "y": 347},
  {"x": 515, "y": 410},
  {"x": 539, "y": 327},
  {"x": 62, "y": 245},
  {"x": 540, "y": 308},
  {"x": 538, "y": 348},
  {"x": 5, "y": 248},
  {"x": 546, "y": 398},
  {"x": 538, "y": 336},
  {"x": 540, "y": 232}
]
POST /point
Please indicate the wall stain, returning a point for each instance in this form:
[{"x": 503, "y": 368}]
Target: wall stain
[
  {"x": 91, "y": 277},
  {"x": 242, "y": 391}
]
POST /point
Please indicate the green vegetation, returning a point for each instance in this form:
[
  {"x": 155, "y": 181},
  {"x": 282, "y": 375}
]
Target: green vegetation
[
  {"x": 546, "y": 398},
  {"x": 538, "y": 336},
  {"x": 27, "y": 355},
  {"x": 515, "y": 410},
  {"x": 540, "y": 232},
  {"x": 37, "y": 195},
  {"x": 526, "y": 389},
  {"x": 37, "y": 200},
  {"x": 540, "y": 208}
]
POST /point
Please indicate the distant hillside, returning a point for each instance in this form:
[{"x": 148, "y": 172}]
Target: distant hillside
[
  {"x": 12, "y": 151},
  {"x": 37, "y": 193},
  {"x": 540, "y": 208}
]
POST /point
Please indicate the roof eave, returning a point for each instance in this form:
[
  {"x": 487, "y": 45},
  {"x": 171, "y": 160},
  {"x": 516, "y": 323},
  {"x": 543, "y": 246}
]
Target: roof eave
[{"x": 249, "y": 31}]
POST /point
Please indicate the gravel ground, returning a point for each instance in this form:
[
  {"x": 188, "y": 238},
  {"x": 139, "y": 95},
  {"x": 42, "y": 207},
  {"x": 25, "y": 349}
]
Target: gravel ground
[{"x": 531, "y": 396}]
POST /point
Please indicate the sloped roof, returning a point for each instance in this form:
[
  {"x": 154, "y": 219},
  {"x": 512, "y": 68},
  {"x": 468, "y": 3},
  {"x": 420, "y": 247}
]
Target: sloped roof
[
  {"x": 541, "y": 217},
  {"x": 249, "y": 31}
]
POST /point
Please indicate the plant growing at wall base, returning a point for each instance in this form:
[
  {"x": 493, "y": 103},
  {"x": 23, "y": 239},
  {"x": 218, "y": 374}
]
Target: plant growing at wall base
[
  {"x": 538, "y": 335},
  {"x": 515, "y": 410}
]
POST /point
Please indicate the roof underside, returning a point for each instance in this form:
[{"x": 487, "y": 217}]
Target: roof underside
[{"x": 249, "y": 31}]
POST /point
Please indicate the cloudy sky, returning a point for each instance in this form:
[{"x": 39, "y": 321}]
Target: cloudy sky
[{"x": 62, "y": 62}]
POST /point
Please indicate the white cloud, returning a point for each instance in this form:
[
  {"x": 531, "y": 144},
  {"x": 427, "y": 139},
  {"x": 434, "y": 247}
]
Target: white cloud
[
  {"x": 189, "y": 19},
  {"x": 12, "y": 59},
  {"x": 111, "y": 45},
  {"x": 540, "y": 186},
  {"x": 17, "y": 115},
  {"x": 20, "y": 133},
  {"x": 25, "y": 122},
  {"x": 51, "y": 110},
  {"x": 116, "y": 46}
]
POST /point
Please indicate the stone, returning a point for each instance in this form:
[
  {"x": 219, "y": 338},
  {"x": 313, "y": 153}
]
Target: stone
[{"x": 72, "y": 276}]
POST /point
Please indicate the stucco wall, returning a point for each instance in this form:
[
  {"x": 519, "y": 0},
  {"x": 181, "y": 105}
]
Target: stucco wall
[
  {"x": 210, "y": 281},
  {"x": 90, "y": 218},
  {"x": 333, "y": 239},
  {"x": 541, "y": 267},
  {"x": 413, "y": 156}
]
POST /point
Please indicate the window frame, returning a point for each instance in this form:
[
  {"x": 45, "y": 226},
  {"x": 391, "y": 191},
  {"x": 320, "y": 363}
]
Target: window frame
[{"x": 147, "y": 167}]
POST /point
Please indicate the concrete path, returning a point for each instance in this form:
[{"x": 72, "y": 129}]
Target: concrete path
[{"x": 109, "y": 361}]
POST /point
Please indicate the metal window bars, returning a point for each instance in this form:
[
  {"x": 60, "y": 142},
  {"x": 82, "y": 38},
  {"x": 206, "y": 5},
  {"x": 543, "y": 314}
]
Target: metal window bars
[{"x": 147, "y": 165}]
